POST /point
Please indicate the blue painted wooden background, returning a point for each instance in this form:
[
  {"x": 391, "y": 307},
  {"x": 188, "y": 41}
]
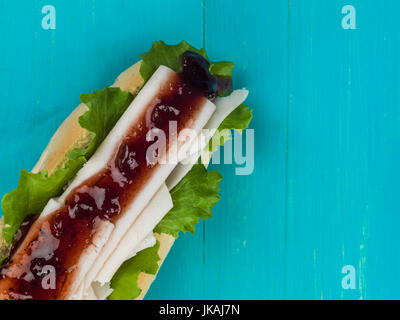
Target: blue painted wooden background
[{"x": 326, "y": 101}]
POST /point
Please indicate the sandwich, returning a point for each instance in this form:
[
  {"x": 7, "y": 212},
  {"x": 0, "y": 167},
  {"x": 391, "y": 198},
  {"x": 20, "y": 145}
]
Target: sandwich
[{"x": 121, "y": 178}]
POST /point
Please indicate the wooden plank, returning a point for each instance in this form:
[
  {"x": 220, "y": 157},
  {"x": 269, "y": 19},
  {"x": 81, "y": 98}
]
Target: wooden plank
[
  {"x": 245, "y": 243},
  {"x": 343, "y": 116}
]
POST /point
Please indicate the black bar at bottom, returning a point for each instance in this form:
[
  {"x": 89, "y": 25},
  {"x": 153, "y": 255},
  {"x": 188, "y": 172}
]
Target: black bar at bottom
[{"x": 187, "y": 309}]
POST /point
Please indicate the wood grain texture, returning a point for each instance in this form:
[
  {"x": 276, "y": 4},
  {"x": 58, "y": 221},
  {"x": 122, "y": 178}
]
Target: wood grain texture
[{"x": 326, "y": 117}]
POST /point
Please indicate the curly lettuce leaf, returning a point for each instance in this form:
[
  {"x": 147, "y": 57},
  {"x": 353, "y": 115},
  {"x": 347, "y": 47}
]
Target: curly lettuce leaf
[
  {"x": 105, "y": 109},
  {"x": 32, "y": 194},
  {"x": 239, "y": 119},
  {"x": 193, "y": 198},
  {"x": 124, "y": 282},
  {"x": 222, "y": 69},
  {"x": 36, "y": 189},
  {"x": 171, "y": 56},
  {"x": 219, "y": 138}
]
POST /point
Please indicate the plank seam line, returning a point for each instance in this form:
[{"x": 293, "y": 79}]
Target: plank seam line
[
  {"x": 288, "y": 109},
  {"x": 204, "y": 46}
]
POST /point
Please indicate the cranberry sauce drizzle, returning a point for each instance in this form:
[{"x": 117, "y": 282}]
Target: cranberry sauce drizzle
[{"x": 57, "y": 241}]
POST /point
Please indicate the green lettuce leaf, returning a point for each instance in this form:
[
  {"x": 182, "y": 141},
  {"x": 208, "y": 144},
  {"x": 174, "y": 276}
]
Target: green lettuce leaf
[
  {"x": 171, "y": 56},
  {"x": 220, "y": 137},
  {"x": 32, "y": 194},
  {"x": 222, "y": 69},
  {"x": 4, "y": 246},
  {"x": 124, "y": 282},
  {"x": 105, "y": 109},
  {"x": 193, "y": 198},
  {"x": 36, "y": 189},
  {"x": 238, "y": 119}
]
